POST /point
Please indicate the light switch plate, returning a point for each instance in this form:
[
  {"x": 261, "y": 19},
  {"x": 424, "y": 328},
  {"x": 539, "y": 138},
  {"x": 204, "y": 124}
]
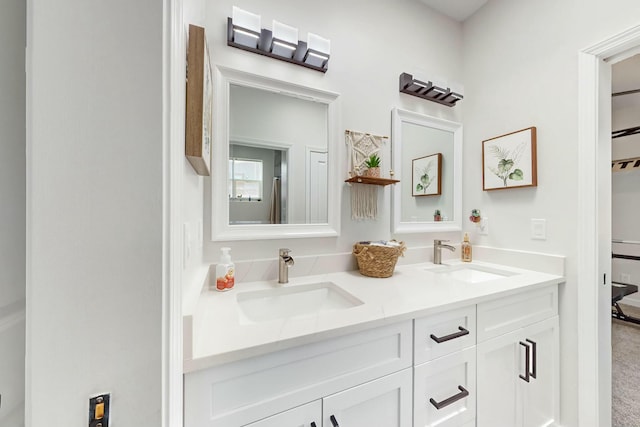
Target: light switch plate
[
  {"x": 99, "y": 410},
  {"x": 538, "y": 229}
]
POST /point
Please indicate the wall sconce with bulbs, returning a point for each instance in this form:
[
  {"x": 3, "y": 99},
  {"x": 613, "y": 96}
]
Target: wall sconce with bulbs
[
  {"x": 428, "y": 90},
  {"x": 244, "y": 32}
]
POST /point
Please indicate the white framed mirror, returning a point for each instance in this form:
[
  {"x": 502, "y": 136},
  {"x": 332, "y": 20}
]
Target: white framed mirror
[
  {"x": 274, "y": 159},
  {"x": 427, "y": 159}
]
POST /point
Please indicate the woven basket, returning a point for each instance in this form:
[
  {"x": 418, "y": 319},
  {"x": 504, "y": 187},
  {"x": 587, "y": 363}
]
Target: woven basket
[{"x": 377, "y": 261}]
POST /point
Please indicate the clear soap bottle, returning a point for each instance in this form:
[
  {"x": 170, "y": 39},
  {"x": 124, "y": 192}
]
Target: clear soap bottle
[
  {"x": 465, "y": 249},
  {"x": 225, "y": 271}
]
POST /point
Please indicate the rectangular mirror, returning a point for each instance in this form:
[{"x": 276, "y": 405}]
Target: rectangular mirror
[
  {"x": 275, "y": 169},
  {"x": 427, "y": 159}
]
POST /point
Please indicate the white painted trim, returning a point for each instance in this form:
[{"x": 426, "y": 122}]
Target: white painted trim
[
  {"x": 397, "y": 226},
  {"x": 28, "y": 213},
  {"x": 594, "y": 402},
  {"x": 174, "y": 46},
  {"x": 221, "y": 230}
]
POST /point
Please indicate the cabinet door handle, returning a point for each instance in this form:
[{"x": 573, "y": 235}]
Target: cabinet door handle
[
  {"x": 333, "y": 421},
  {"x": 527, "y": 362},
  {"x": 448, "y": 401},
  {"x": 452, "y": 336},
  {"x": 313, "y": 424},
  {"x": 534, "y": 357}
]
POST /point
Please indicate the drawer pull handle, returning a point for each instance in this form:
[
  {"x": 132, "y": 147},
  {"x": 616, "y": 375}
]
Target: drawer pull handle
[
  {"x": 452, "y": 336},
  {"x": 448, "y": 401},
  {"x": 534, "y": 356},
  {"x": 313, "y": 424},
  {"x": 527, "y": 361},
  {"x": 333, "y": 421}
]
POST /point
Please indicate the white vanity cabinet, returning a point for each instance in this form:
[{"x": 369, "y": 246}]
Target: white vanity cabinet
[
  {"x": 308, "y": 415},
  {"x": 351, "y": 375},
  {"x": 518, "y": 360}
]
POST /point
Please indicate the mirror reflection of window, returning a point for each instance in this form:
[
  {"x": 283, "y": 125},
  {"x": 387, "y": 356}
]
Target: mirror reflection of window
[{"x": 245, "y": 179}]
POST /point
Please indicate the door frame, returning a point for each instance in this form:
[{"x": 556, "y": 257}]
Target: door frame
[{"x": 594, "y": 231}]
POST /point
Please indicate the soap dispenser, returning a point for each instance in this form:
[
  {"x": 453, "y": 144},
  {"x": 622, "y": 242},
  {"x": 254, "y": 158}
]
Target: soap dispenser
[
  {"x": 225, "y": 271},
  {"x": 466, "y": 249}
]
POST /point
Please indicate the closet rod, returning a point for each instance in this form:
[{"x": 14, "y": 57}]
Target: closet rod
[{"x": 626, "y": 92}]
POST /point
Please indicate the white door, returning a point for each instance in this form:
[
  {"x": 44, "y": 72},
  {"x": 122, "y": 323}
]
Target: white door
[
  {"x": 309, "y": 415},
  {"x": 317, "y": 210},
  {"x": 386, "y": 402},
  {"x": 541, "y": 394},
  {"x": 500, "y": 362}
]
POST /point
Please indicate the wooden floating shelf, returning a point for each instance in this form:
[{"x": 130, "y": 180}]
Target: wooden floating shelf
[{"x": 371, "y": 180}]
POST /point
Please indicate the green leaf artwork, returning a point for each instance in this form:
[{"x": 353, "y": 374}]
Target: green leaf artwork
[
  {"x": 507, "y": 160},
  {"x": 425, "y": 179}
]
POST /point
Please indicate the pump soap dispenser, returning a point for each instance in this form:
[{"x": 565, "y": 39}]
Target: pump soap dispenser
[
  {"x": 466, "y": 249},
  {"x": 225, "y": 271}
]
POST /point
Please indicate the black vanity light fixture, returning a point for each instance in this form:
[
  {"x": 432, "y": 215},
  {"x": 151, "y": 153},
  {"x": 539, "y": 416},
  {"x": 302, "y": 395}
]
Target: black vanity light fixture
[
  {"x": 244, "y": 32},
  {"x": 428, "y": 90}
]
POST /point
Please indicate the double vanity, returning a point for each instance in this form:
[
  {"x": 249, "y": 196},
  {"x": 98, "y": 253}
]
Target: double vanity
[{"x": 457, "y": 344}]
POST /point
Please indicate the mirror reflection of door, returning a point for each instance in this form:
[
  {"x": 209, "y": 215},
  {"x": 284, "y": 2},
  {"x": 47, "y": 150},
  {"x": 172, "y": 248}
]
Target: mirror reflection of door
[
  {"x": 317, "y": 189},
  {"x": 277, "y": 170}
]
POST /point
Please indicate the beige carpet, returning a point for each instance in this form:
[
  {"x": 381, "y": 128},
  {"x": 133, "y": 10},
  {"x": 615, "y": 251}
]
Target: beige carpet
[{"x": 625, "y": 343}]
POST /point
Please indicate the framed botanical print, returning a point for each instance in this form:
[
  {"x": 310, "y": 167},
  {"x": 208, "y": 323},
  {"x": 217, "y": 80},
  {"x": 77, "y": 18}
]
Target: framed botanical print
[
  {"x": 427, "y": 175},
  {"x": 509, "y": 161},
  {"x": 199, "y": 102}
]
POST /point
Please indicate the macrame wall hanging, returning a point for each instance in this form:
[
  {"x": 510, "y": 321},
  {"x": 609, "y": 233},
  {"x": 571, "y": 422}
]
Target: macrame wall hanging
[{"x": 364, "y": 198}]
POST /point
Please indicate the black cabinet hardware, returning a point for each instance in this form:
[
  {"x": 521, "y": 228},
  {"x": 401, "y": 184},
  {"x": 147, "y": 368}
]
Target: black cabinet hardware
[
  {"x": 454, "y": 335},
  {"x": 534, "y": 356},
  {"x": 527, "y": 362},
  {"x": 313, "y": 424},
  {"x": 333, "y": 421},
  {"x": 448, "y": 401}
]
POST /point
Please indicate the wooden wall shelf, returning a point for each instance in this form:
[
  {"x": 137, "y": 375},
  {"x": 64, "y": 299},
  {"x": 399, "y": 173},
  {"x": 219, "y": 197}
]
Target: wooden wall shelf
[{"x": 371, "y": 180}]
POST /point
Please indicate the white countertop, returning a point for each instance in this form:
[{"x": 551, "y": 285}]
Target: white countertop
[{"x": 221, "y": 335}]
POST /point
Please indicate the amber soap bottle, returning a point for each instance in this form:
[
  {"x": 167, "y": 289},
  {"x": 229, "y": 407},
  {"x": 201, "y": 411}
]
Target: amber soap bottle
[{"x": 466, "y": 249}]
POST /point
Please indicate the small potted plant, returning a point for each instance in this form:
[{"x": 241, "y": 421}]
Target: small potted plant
[
  {"x": 475, "y": 215},
  {"x": 437, "y": 216},
  {"x": 373, "y": 166}
]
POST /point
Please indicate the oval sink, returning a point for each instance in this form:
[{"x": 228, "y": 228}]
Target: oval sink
[
  {"x": 470, "y": 273},
  {"x": 294, "y": 301}
]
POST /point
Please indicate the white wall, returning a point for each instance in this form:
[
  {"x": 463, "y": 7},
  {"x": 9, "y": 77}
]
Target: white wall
[
  {"x": 521, "y": 68},
  {"x": 372, "y": 43},
  {"x": 12, "y": 211},
  {"x": 94, "y": 210}
]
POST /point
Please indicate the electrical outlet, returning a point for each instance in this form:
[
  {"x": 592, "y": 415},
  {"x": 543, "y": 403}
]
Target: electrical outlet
[
  {"x": 625, "y": 278},
  {"x": 99, "y": 409}
]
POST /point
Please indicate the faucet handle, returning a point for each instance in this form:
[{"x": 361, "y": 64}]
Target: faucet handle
[
  {"x": 284, "y": 252},
  {"x": 438, "y": 241}
]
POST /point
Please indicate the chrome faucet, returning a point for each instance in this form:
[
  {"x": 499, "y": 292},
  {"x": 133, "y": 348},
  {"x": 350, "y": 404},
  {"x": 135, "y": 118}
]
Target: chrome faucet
[
  {"x": 284, "y": 262},
  {"x": 437, "y": 250}
]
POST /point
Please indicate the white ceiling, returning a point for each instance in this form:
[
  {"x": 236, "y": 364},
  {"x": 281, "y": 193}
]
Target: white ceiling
[{"x": 456, "y": 9}]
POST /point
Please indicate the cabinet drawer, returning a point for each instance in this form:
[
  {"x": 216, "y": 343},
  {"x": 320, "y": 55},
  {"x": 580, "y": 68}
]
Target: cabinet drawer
[
  {"x": 507, "y": 314},
  {"x": 444, "y": 390},
  {"x": 444, "y": 333},
  {"x": 241, "y": 392}
]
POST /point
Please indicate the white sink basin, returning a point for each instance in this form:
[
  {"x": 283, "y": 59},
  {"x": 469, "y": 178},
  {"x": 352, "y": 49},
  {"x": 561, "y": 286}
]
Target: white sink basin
[
  {"x": 470, "y": 273},
  {"x": 294, "y": 301}
]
